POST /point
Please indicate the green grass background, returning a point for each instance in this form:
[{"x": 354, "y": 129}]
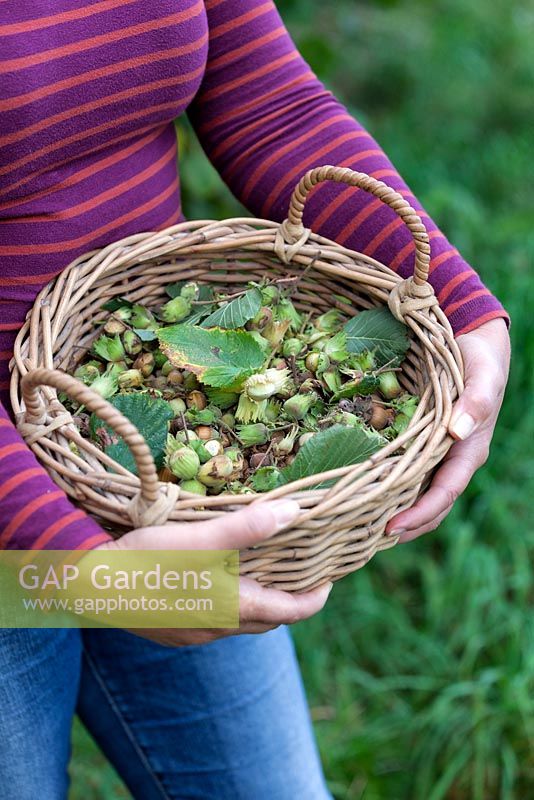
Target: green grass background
[{"x": 420, "y": 672}]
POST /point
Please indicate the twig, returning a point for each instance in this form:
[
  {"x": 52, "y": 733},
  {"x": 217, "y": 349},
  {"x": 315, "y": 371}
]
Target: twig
[
  {"x": 230, "y": 431},
  {"x": 184, "y": 423},
  {"x": 302, "y": 275},
  {"x": 267, "y": 452}
]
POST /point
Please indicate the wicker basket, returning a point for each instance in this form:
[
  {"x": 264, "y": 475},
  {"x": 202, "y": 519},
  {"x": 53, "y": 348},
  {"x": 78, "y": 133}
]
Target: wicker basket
[{"x": 340, "y": 528}]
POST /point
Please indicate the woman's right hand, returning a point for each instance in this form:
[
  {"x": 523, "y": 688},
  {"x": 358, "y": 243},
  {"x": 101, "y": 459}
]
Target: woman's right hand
[{"x": 260, "y": 609}]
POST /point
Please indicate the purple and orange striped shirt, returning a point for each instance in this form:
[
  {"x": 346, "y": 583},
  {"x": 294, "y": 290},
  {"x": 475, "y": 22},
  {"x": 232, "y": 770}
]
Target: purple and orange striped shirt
[{"x": 88, "y": 154}]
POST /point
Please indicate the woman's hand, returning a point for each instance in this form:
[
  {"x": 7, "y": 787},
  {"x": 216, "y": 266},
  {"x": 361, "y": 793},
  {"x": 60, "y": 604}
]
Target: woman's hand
[
  {"x": 260, "y": 609},
  {"x": 486, "y": 353}
]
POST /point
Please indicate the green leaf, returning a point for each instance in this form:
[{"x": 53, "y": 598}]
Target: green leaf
[
  {"x": 173, "y": 289},
  {"x": 151, "y": 417},
  {"x": 198, "y": 313},
  {"x": 234, "y": 314},
  {"x": 265, "y": 479},
  {"x": 221, "y": 398},
  {"x": 116, "y": 303},
  {"x": 218, "y": 357},
  {"x": 362, "y": 386},
  {"x": 145, "y": 334},
  {"x": 335, "y": 447},
  {"x": 203, "y": 416},
  {"x": 378, "y": 330}
]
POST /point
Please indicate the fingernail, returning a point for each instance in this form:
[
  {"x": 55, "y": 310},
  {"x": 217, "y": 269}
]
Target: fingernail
[
  {"x": 463, "y": 426},
  {"x": 285, "y": 511},
  {"x": 396, "y": 532},
  {"x": 330, "y": 586}
]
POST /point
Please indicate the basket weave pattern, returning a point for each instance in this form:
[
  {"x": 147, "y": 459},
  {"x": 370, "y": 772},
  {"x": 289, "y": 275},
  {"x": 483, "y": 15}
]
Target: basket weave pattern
[{"x": 340, "y": 528}]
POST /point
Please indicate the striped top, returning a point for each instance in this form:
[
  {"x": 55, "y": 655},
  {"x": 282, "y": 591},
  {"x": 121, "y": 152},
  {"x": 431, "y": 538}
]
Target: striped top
[{"x": 88, "y": 95}]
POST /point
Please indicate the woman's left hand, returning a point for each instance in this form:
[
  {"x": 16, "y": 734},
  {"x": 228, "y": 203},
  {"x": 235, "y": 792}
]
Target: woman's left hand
[{"x": 486, "y": 354}]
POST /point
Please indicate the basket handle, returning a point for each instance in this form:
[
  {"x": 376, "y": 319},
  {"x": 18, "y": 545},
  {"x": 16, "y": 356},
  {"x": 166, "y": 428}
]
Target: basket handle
[
  {"x": 293, "y": 228},
  {"x": 150, "y": 499}
]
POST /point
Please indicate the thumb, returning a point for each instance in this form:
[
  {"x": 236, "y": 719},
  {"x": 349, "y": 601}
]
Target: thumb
[
  {"x": 231, "y": 531},
  {"x": 246, "y": 527}
]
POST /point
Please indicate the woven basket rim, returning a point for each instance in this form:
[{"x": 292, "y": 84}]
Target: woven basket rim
[{"x": 292, "y": 247}]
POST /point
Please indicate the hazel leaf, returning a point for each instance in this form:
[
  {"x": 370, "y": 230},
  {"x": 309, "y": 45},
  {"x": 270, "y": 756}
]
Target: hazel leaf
[
  {"x": 338, "y": 446},
  {"x": 146, "y": 335},
  {"x": 151, "y": 417},
  {"x": 117, "y": 302},
  {"x": 379, "y": 331},
  {"x": 218, "y": 357},
  {"x": 237, "y": 312}
]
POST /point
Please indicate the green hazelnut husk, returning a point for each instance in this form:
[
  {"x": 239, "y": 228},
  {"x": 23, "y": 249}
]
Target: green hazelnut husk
[
  {"x": 175, "y": 310},
  {"x": 204, "y": 417},
  {"x": 285, "y": 446},
  {"x": 190, "y": 291},
  {"x": 271, "y": 411},
  {"x": 130, "y": 379},
  {"x": 388, "y": 385},
  {"x": 269, "y": 295},
  {"x": 200, "y": 449},
  {"x": 238, "y": 460},
  {"x": 193, "y": 486},
  {"x": 178, "y": 406},
  {"x": 364, "y": 361},
  {"x": 335, "y": 347},
  {"x": 132, "y": 343},
  {"x": 253, "y": 435},
  {"x": 107, "y": 385},
  {"x": 159, "y": 358},
  {"x": 87, "y": 373},
  {"x": 317, "y": 362},
  {"x": 329, "y": 322},
  {"x": 292, "y": 347},
  {"x": 228, "y": 419},
  {"x": 286, "y": 311},
  {"x": 298, "y": 406},
  {"x": 216, "y": 471},
  {"x": 184, "y": 463},
  {"x": 275, "y": 331},
  {"x": 141, "y": 317},
  {"x": 110, "y": 348},
  {"x": 261, "y": 319},
  {"x": 236, "y": 487},
  {"x": 186, "y": 436}
]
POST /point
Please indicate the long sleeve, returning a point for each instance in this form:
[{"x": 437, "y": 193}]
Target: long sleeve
[
  {"x": 35, "y": 512},
  {"x": 88, "y": 96},
  {"x": 264, "y": 119}
]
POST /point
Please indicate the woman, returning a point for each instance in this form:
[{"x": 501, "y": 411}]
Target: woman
[{"x": 87, "y": 156}]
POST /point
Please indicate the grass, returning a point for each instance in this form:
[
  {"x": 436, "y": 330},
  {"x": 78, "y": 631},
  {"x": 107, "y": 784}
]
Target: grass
[{"x": 420, "y": 672}]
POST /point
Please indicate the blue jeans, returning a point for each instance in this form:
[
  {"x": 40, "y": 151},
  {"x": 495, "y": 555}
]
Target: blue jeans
[{"x": 224, "y": 720}]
